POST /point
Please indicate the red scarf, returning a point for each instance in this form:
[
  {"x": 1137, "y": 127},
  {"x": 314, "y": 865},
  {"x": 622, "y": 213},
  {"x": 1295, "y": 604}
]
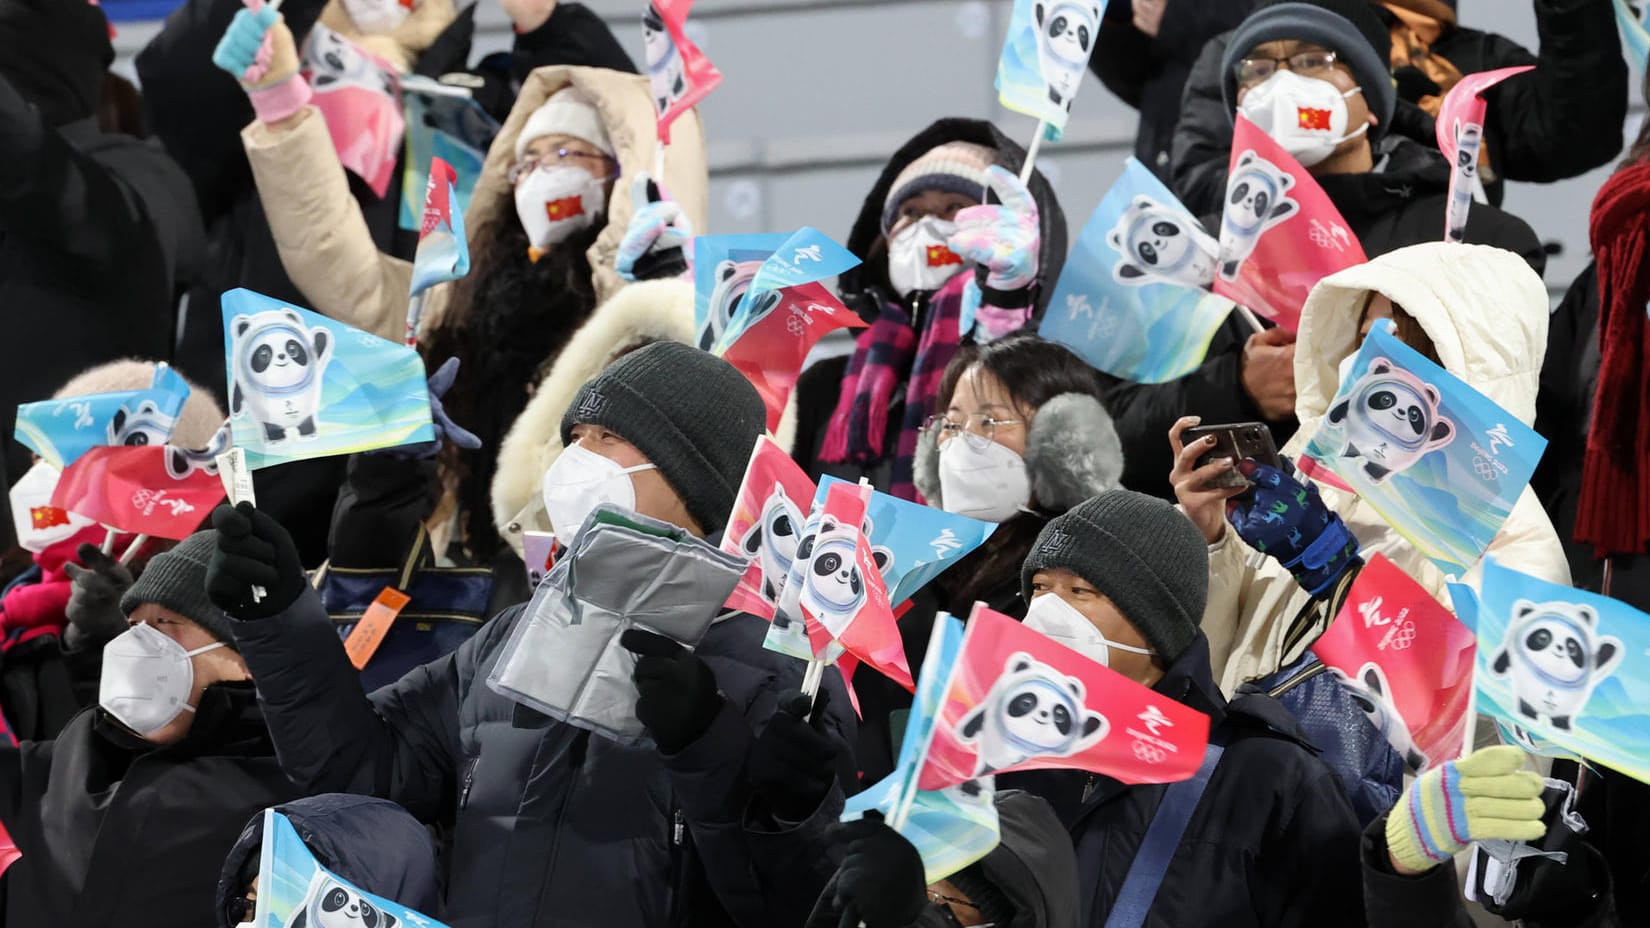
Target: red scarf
[{"x": 1614, "y": 513}]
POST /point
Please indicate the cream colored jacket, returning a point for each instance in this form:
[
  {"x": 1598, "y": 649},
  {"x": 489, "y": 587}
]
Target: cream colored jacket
[
  {"x": 329, "y": 254},
  {"x": 1486, "y": 313}
]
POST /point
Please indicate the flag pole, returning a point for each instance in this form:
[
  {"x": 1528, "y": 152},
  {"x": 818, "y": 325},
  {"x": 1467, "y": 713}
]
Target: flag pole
[
  {"x": 658, "y": 165},
  {"x": 109, "y": 534},
  {"x": 811, "y": 678},
  {"x": 132, "y": 549},
  {"x": 415, "y": 312},
  {"x": 1250, "y": 317},
  {"x": 1031, "y": 152}
]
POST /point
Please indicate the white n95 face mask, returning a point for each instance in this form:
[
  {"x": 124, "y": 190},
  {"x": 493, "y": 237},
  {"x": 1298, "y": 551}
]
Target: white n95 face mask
[
  {"x": 146, "y": 678},
  {"x": 553, "y": 203},
  {"x": 1060, "y": 621},
  {"x": 919, "y": 257},
  {"x": 377, "y": 16},
  {"x": 578, "y": 482},
  {"x": 988, "y": 483},
  {"x": 38, "y": 523},
  {"x": 1305, "y": 115}
]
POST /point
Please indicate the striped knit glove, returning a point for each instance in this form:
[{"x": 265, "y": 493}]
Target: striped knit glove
[{"x": 1485, "y": 795}]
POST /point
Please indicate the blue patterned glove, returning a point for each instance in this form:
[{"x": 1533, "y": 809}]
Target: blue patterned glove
[
  {"x": 1288, "y": 521},
  {"x": 446, "y": 430},
  {"x": 657, "y": 226},
  {"x": 1002, "y": 240}
]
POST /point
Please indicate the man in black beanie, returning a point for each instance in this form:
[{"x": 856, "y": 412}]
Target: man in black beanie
[
  {"x": 95, "y": 228},
  {"x": 1271, "y": 839},
  {"x": 1313, "y": 75},
  {"x": 125, "y": 817},
  {"x": 551, "y": 824}
]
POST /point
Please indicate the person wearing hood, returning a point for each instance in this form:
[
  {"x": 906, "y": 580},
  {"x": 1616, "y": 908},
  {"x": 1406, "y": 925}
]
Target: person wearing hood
[
  {"x": 125, "y": 817},
  {"x": 1559, "y": 121},
  {"x": 941, "y": 268},
  {"x": 96, "y": 229},
  {"x": 612, "y": 833},
  {"x": 1481, "y": 314},
  {"x": 199, "y": 112},
  {"x": 56, "y": 616},
  {"x": 1019, "y": 436},
  {"x": 374, "y": 844},
  {"x": 1392, "y": 192},
  {"x": 1029, "y": 880},
  {"x": 1262, "y": 835}
]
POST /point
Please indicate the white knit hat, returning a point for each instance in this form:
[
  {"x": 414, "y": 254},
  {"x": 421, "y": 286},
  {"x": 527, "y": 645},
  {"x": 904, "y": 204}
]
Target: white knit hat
[{"x": 568, "y": 111}]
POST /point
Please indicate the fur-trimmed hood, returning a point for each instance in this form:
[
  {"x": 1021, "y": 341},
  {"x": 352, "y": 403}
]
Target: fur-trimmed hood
[
  {"x": 660, "y": 310},
  {"x": 1072, "y": 453}
]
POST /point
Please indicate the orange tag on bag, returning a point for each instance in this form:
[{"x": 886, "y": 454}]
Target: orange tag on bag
[{"x": 369, "y": 632}]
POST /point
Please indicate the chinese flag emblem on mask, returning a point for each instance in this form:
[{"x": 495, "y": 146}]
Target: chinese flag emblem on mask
[
  {"x": 1314, "y": 118},
  {"x": 940, "y": 256},
  {"x": 564, "y": 208},
  {"x": 48, "y": 516}
]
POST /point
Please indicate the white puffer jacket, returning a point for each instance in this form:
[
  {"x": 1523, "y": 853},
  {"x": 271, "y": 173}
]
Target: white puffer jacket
[{"x": 1486, "y": 313}]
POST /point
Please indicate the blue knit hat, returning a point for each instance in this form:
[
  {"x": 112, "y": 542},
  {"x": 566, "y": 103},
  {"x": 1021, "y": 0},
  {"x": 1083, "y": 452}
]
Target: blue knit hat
[{"x": 1349, "y": 28}]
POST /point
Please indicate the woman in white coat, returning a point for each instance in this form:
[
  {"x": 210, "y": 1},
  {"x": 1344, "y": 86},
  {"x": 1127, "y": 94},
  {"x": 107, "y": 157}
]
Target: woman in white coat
[{"x": 1481, "y": 313}]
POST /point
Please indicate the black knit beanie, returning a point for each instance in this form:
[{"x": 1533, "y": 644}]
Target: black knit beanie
[
  {"x": 55, "y": 53},
  {"x": 1142, "y": 553},
  {"x": 176, "y": 579},
  {"x": 693, "y": 414},
  {"x": 1349, "y": 28}
]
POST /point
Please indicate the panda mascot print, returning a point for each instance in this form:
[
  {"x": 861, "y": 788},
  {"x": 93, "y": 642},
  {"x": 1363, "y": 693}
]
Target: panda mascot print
[
  {"x": 665, "y": 72},
  {"x": 1161, "y": 245},
  {"x": 1552, "y": 659},
  {"x": 1373, "y": 696},
  {"x": 1066, "y": 30},
  {"x": 1257, "y": 199},
  {"x": 1390, "y": 419},
  {"x": 334, "y": 904},
  {"x": 277, "y": 368},
  {"x": 732, "y": 279},
  {"x": 772, "y": 540},
  {"x": 146, "y": 425},
  {"x": 1031, "y": 711},
  {"x": 833, "y": 589}
]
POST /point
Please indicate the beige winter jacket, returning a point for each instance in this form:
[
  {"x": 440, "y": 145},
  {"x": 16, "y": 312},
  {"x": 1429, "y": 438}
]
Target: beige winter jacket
[
  {"x": 1486, "y": 313},
  {"x": 329, "y": 254}
]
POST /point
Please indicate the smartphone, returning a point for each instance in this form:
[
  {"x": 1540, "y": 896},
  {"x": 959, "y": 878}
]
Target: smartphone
[{"x": 1236, "y": 441}]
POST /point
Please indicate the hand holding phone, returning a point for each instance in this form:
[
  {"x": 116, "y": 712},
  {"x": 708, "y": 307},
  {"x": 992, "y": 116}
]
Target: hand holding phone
[{"x": 1235, "y": 441}]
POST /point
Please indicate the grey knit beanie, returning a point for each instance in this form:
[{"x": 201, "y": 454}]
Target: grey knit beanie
[
  {"x": 176, "y": 579},
  {"x": 693, "y": 414},
  {"x": 1349, "y": 28},
  {"x": 1142, "y": 553}
]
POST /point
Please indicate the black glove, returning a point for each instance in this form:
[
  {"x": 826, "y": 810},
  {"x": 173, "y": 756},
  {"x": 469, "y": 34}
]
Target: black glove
[
  {"x": 94, "y": 605},
  {"x": 679, "y": 698},
  {"x": 253, "y": 551},
  {"x": 881, "y": 879},
  {"x": 793, "y": 763}
]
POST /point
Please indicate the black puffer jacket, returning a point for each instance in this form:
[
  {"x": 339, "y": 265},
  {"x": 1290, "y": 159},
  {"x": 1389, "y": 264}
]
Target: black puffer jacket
[
  {"x": 95, "y": 231},
  {"x": 1273, "y": 841},
  {"x": 1402, "y": 202},
  {"x": 1558, "y": 121},
  {"x": 865, "y": 289},
  {"x": 1149, "y": 73},
  {"x": 551, "y": 825},
  {"x": 116, "y": 831}
]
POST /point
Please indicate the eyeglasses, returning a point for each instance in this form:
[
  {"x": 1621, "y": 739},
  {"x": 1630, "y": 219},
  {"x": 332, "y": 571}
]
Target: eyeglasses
[
  {"x": 979, "y": 430},
  {"x": 1313, "y": 63},
  {"x": 532, "y": 163},
  {"x": 947, "y": 910}
]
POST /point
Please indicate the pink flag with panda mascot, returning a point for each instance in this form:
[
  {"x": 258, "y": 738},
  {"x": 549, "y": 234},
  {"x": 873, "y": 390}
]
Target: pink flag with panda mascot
[
  {"x": 359, "y": 96},
  {"x": 1406, "y": 660},
  {"x": 1017, "y": 700},
  {"x": 766, "y": 526},
  {"x": 1279, "y": 234},
  {"x": 678, "y": 72}
]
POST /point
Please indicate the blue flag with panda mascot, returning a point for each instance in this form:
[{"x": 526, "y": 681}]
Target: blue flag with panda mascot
[
  {"x": 305, "y": 386},
  {"x": 1045, "y": 57},
  {"x": 1134, "y": 297},
  {"x": 295, "y": 891},
  {"x": 60, "y": 431},
  {"x": 1440, "y": 462},
  {"x": 1558, "y": 666}
]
